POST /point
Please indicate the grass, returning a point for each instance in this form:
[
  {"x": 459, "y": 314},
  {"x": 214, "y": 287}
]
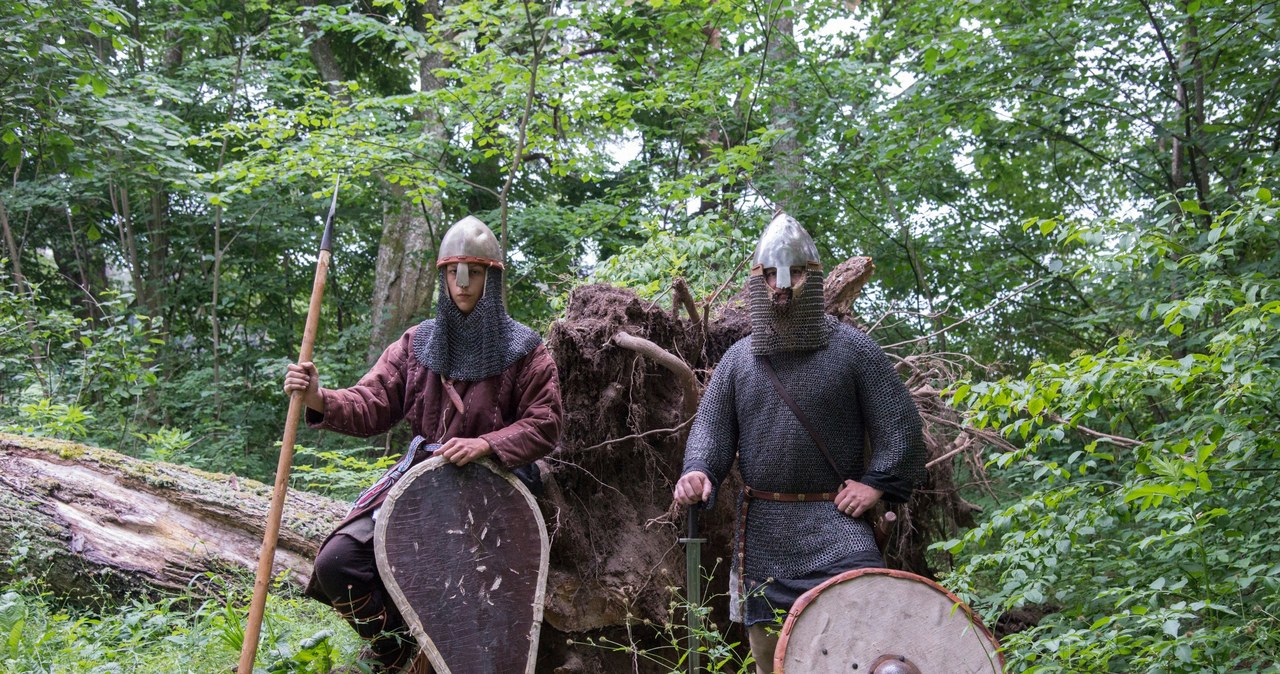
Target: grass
[{"x": 167, "y": 635}]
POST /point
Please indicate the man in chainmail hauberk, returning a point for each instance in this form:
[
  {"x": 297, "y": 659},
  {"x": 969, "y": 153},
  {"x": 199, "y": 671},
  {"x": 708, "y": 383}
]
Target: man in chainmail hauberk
[
  {"x": 800, "y": 517},
  {"x": 471, "y": 382}
]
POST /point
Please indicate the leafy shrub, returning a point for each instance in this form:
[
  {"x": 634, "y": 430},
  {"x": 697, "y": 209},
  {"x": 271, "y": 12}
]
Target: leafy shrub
[
  {"x": 699, "y": 255},
  {"x": 1146, "y": 523},
  {"x": 169, "y": 634},
  {"x": 55, "y": 366},
  {"x": 339, "y": 473}
]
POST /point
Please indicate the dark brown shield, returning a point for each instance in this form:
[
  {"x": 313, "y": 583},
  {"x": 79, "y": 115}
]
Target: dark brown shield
[
  {"x": 463, "y": 553},
  {"x": 853, "y": 621}
]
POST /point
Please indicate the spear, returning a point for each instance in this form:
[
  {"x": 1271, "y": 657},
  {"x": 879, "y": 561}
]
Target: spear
[{"x": 272, "y": 534}]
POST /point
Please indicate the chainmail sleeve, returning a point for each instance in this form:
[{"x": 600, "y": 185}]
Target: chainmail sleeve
[
  {"x": 713, "y": 439},
  {"x": 891, "y": 419}
]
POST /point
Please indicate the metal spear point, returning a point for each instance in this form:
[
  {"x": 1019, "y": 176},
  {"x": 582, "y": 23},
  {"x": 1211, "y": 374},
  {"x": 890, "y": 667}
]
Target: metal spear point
[
  {"x": 693, "y": 578},
  {"x": 266, "y": 556}
]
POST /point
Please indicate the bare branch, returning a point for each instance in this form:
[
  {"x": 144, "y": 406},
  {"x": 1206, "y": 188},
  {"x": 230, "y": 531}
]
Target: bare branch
[
  {"x": 668, "y": 360},
  {"x": 1118, "y": 439},
  {"x": 986, "y": 310},
  {"x": 989, "y": 437},
  {"x": 637, "y": 436}
]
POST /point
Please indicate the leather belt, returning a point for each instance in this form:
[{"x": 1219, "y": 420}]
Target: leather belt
[
  {"x": 748, "y": 495},
  {"x": 788, "y": 498}
]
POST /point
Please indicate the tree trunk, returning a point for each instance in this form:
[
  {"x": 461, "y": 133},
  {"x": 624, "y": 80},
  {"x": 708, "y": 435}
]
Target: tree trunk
[
  {"x": 788, "y": 152},
  {"x": 11, "y": 245},
  {"x": 128, "y": 240},
  {"x": 405, "y": 276},
  {"x": 97, "y": 520},
  {"x": 325, "y": 60}
]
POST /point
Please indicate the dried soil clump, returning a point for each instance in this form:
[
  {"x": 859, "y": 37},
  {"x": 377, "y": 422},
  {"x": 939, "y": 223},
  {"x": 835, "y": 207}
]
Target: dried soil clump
[{"x": 620, "y": 455}]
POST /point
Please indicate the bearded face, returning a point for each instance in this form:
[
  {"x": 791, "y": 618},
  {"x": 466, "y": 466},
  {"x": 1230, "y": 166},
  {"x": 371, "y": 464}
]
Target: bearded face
[
  {"x": 781, "y": 299},
  {"x": 787, "y": 319}
]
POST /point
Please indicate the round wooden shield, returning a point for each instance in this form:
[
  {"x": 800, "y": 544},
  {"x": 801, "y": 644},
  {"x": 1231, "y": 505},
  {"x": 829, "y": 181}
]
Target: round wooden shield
[
  {"x": 463, "y": 553},
  {"x": 852, "y": 621}
]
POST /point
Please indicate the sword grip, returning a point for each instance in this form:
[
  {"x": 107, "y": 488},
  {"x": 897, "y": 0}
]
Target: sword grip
[{"x": 692, "y": 522}]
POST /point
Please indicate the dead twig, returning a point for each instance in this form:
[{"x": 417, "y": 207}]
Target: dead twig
[
  {"x": 966, "y": 441},
  {"x": 639, "y": 436},
  {"x": 986, "y": 310},
  {"x": 1118, "y": 439},
  {"x": 986, "y": 436}
]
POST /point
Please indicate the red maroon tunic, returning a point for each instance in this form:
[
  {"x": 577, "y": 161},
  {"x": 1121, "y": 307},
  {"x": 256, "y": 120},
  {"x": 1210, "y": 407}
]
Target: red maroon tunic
[{"x": 517, "y": 411}]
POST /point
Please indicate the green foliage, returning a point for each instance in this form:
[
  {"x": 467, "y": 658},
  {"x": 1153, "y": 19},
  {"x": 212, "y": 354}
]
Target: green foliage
[
  {"x": 166, "y": 444},
  {"x": 339, "y": 473},
  {"x": 1146, "y": 520},
  {"x": 53, "y": 419},
  {"x": 55, "y": 366},
  {"x": 186, "y": 634},
  {"x": 708, "y": 254}
]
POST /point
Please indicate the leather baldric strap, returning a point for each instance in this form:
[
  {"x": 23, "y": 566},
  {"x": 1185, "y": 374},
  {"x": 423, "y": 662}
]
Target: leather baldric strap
[{"x": 795, "y": 409}]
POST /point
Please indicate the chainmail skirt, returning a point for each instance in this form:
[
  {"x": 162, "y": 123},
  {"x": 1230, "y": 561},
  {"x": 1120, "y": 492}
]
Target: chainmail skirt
[{"x": 769, "y": 601}]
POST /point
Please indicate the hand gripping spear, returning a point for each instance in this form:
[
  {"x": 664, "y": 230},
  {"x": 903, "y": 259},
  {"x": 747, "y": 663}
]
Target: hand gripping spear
[{"x": 269, "y": 538}]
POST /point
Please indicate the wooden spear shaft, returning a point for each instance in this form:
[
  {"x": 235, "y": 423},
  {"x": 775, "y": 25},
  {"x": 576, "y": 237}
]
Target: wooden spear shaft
[{"x": 266, "y": 557}]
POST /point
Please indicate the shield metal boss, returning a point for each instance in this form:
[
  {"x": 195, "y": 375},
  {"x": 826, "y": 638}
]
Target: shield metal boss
[
  {"x": 463, "y": 552},
  {"x": 849, "y": 623}
]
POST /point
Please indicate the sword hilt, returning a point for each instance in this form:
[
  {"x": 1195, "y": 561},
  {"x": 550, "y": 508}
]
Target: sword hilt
[{"x": 691, "y": 525}]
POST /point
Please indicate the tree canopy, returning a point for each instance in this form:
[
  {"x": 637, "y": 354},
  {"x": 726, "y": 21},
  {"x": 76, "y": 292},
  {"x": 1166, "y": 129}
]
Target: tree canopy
[{"x": 1071, "y": 201}]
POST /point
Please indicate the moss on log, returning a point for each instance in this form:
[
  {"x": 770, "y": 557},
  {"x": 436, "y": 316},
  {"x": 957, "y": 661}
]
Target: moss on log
[{"x": 98, "y": 521}]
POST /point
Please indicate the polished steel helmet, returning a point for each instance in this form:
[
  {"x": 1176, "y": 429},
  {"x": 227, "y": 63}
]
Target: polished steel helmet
[
  {"x": 469, "y": 241},
  {"x": 785, "y": 244}
]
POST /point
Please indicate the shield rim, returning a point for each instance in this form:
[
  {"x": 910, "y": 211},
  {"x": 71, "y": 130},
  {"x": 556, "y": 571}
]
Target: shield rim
[
  {"x": 425, "y": 643},
  {"x": 810, "y": 596}
]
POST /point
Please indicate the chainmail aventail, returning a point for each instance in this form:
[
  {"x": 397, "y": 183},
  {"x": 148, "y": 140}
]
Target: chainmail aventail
[
  {"x": 801, "y": 327},
  {"x": 475, "y": 346}
]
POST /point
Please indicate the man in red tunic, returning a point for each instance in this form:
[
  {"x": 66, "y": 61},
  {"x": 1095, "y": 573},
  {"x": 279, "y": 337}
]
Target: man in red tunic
[{"x": 471, "y": 380}]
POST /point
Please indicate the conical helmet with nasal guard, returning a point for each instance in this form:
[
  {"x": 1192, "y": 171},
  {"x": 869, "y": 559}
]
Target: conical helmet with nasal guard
[
  {"x": 469, "y": 241},
  {"x": 785, "y": 244}
]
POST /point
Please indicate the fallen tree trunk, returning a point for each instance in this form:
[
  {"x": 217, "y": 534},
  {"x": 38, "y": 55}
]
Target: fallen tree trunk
[{"x": 98, "y": 521}]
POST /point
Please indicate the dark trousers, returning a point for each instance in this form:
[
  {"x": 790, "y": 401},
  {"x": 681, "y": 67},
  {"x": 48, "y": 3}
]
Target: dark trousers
[{"x": 346, "y": 574}]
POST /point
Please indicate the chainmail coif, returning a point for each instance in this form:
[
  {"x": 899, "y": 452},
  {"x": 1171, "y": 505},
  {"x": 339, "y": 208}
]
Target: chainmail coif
[
  {"x": 801, "y": 327},
  {"x": 475, "y": 346},
  {"x": 844, "y": 389}
]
